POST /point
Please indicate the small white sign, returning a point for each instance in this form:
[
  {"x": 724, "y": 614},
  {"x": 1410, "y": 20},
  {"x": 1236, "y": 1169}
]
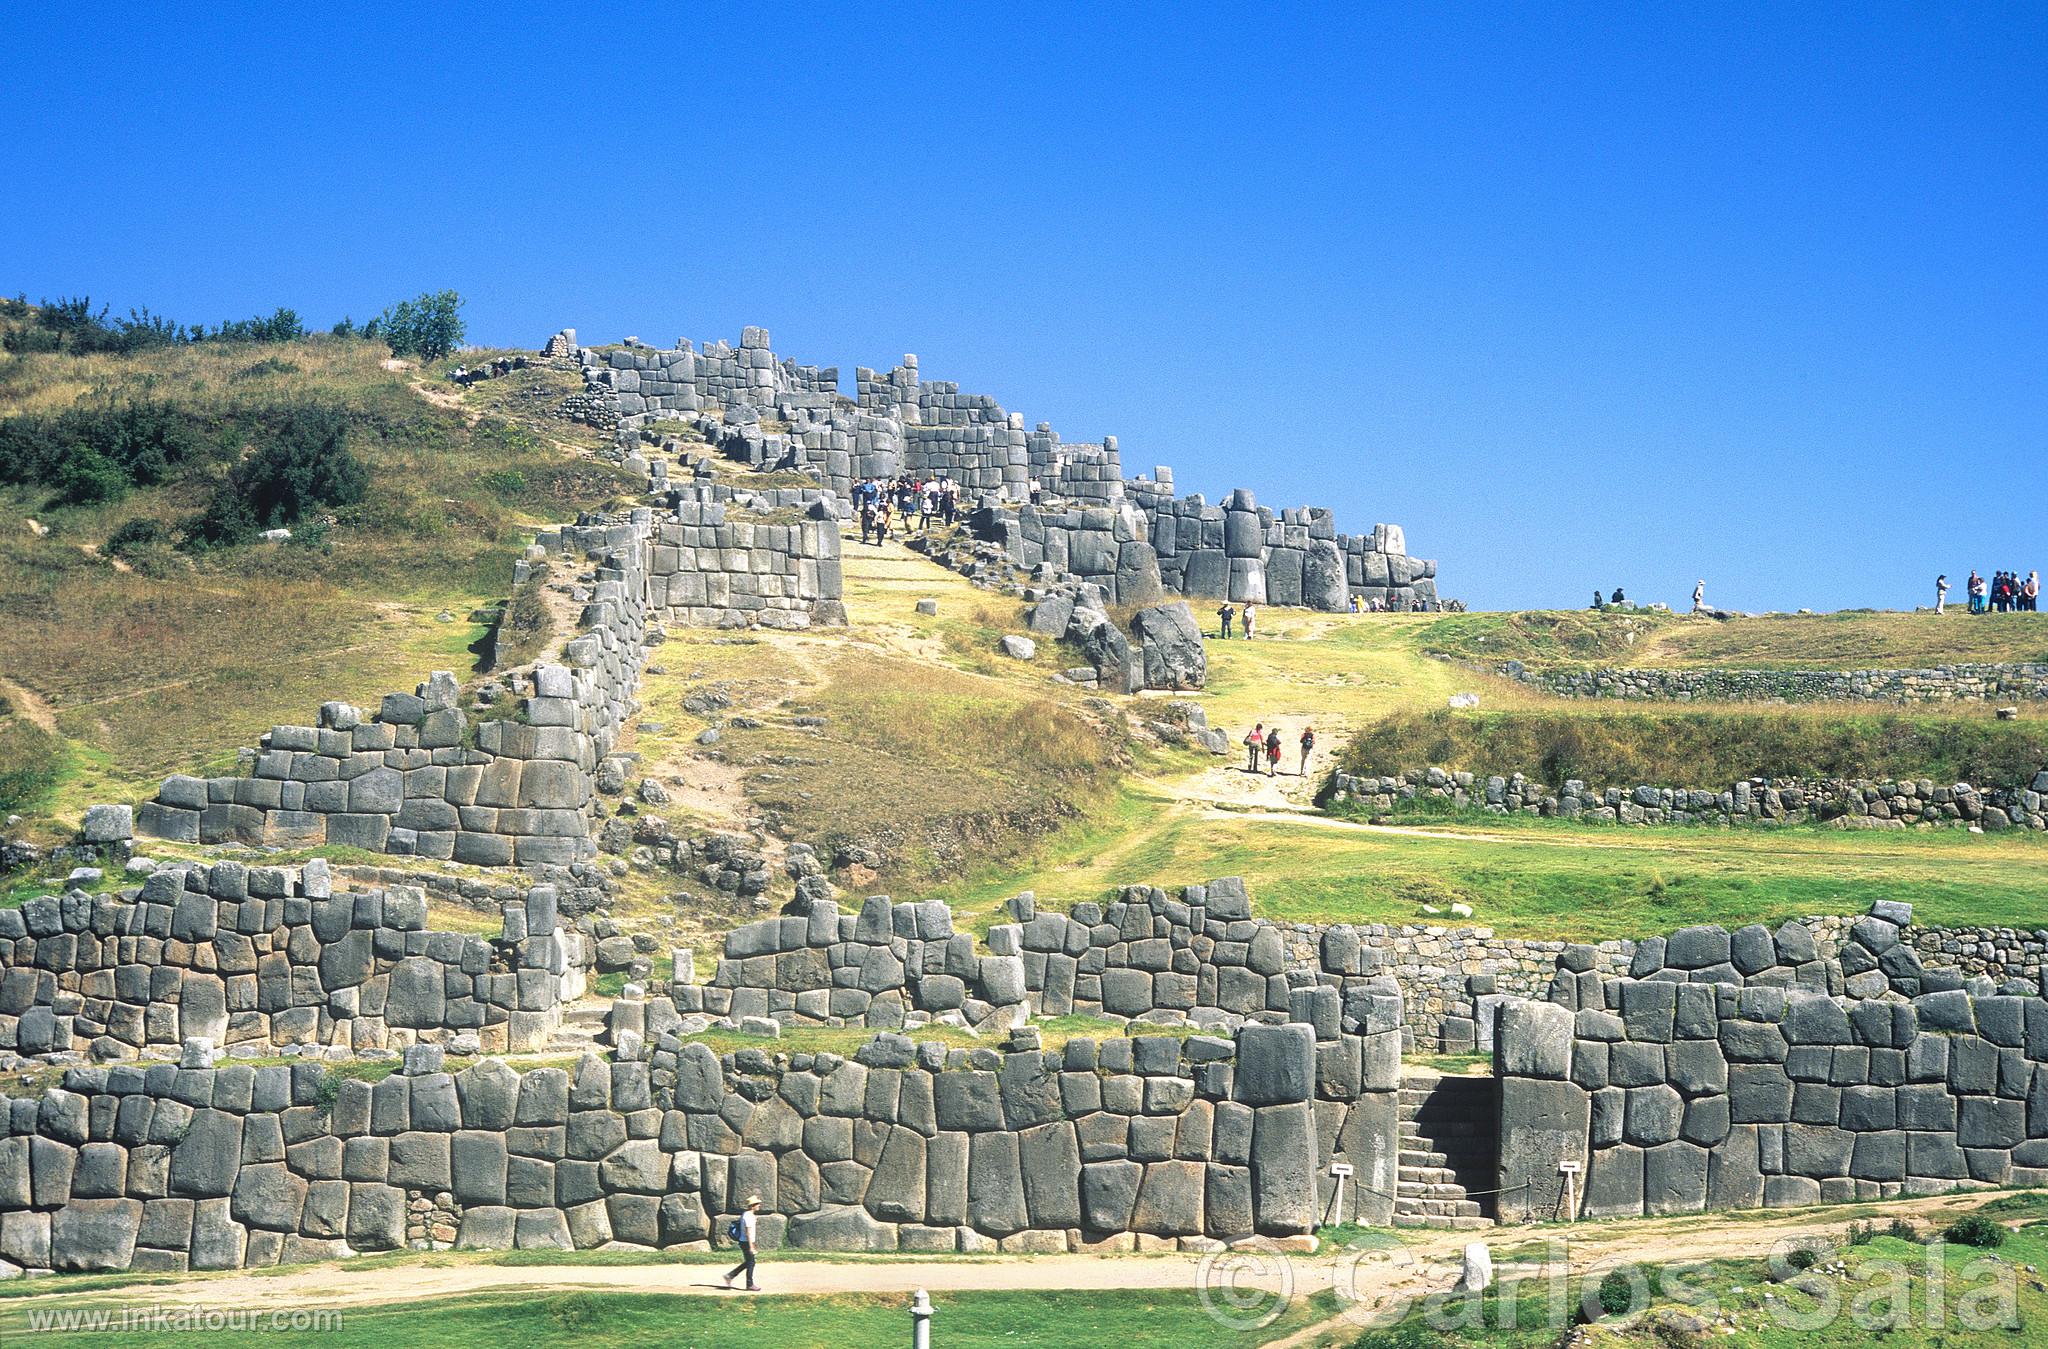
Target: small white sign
[{"x": 1340, "y": 1168}]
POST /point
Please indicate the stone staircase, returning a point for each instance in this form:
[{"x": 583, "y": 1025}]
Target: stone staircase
[
  {"x": 1450, "y": 1152},
  {"x": 582, "y": 1024}
]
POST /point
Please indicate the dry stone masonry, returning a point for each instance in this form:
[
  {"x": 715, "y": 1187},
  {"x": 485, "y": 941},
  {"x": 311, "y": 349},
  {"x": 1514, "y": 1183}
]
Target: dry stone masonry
[
  {"x": 1942, "y": 683},
  {"x": 1845, "y": 803},
  {"x": 1100, "y": 1145},
  {"x": 1130, "y": 536},
  {"x": 260, "y": 958},
  {"x": 1746, "y": 1069}
]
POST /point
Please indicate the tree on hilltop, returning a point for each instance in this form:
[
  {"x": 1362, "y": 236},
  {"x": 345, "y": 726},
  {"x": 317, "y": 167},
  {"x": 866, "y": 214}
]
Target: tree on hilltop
[{"x": 428, "y": 327}]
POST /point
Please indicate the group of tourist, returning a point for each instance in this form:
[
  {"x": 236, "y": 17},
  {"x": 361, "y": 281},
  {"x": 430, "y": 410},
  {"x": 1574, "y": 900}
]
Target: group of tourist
[
  {"x": 1227, "y": 612},
  {"x": 905, "y": 499},
  {"x": 1263, "y": 741},
  {"x": 2004, "y": 593}
]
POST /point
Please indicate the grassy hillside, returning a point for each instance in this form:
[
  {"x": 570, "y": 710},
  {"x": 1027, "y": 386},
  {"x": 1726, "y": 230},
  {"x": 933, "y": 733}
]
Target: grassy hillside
[
  {"x": 1857, "y": 640},
  {"x": 1710, "y": 748},
  {"x": 117, "y": 670}
]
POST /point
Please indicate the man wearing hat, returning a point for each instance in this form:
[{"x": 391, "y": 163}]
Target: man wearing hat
[{"x": 744, "y": 1230}]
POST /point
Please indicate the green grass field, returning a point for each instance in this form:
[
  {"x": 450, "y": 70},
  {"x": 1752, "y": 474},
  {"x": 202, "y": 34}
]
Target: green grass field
[
  {"x": 1887, "y": 1294},
  {"x": 979, "y": 1320},
  {"x": 1528, "y": 878}
]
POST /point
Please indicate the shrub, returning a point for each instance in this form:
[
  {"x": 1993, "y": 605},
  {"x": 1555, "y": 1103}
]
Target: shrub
[
  {"x": 269, "y": 365},
  {"x": 1976, "y": 1230},
  {"x": 134, "y": 537},
  {"x": 1617, "y": 1293},
  {"x": 91, "y": 455},
  {"x": 304, "y": 465},
  {"x": 1803, "y": 1257},
  {"x": 428, "y": 327}
]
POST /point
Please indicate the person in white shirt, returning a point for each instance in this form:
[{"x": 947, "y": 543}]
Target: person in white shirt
[{"x": 747, "y": 1227}]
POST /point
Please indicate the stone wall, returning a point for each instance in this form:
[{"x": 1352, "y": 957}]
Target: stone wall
[
  {"x": 703, "y": 568},
  {"x": 1846, "y": 803},
  {"x": 1244, "y": 552},
  {"x": 418, "y": 777},
  {"x": 1102, "y": 1145},
  {"x": 1942, "y": 683},
  {"x": 1747, "y": 1069},
  {"x": 1102, "y": 546},
  {"x": 257, "y": 958},
  {"x": 900, "y": 422}
]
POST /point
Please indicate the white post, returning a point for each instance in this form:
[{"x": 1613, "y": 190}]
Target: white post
[{"x": 921, "y": 1321}]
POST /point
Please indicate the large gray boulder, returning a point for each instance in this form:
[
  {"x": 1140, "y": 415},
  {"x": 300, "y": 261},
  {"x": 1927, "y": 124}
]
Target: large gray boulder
[
  {"x": 1276, "y": 1065},
  {"x": 1170, "y": 650}
]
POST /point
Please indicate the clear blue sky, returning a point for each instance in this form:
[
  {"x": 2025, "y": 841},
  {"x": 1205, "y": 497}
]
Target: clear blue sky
[{"x": 1579, "y": 295}]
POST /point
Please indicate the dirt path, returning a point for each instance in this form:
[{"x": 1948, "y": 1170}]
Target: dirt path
[
  {"x": 1373, "y": 1277},
  {"x": 29, "y": 705}
]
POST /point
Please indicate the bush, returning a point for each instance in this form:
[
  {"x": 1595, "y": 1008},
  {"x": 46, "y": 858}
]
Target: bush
[
  {"x": 73, "y": 325},
  {"x": 1617, "y": 1293},
  {"x": 428, "y": 327},
  {"x": 1803, "y": 1257},
  {"x": 134, "y": 537},
  {"x": 1976, "y": 1230},
  {"x": 94, "y": 454},
  {"x": 305, "y": 465}
]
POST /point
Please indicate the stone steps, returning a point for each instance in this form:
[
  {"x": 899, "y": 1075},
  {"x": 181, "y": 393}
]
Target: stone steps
[{"x": 1448, "y": 1148}]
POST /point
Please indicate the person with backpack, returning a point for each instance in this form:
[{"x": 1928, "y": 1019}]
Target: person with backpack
[
  {"x": 745, "y": 1232},
  {"x": 1225, "y": 613},
  {"x": 1254, "y": 743},
  {"x": 1273, "y": 751},
  {"x": 1308, "y": 747}
]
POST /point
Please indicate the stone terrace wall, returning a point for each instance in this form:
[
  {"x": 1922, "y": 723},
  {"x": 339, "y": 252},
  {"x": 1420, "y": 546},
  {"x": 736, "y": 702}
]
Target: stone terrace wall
[
  {"x": 1941, "y": 683},
  {"x": 1727, "y": 1075},
  {"x": 413, "y": 778},
  {"x": 1243, "y": 552},
  {"x": 1102, "y": 1145},
  {"x": 899, "y": 422},
  {"x": 265, "y": 957},
  {"x": 704, "y": 569},
  {"x": 1103, "y": 546},
  {"x": 873, "y": 968},
  {"x": 1847, "y": 803}
]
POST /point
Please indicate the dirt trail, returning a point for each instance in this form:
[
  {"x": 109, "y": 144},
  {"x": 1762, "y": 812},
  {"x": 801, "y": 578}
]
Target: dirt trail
[
  {"x": 1428, "y": 1264},
  {"x": 29, "y": 705}
]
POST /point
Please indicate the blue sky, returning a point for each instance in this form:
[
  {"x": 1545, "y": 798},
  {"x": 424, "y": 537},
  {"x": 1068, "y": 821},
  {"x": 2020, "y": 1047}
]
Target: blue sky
[{"x": 1580, "y": 295}]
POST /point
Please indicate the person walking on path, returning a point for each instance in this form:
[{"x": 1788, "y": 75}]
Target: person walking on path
[
  {"x": 1308, "y": 747},
  {"x": 1254, "y": 743},
  {"x": 1225, "y": 613},
  {"x": 1941, "y": 593},
  {"x": 1273, "y": 751},
  {"x": 745, "y": 1229},
  {"x": 1248, "y": 615}
]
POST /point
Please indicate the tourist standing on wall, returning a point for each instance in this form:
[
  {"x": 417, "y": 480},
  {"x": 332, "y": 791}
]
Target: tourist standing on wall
[
  {"x": 746, "y": 1230},
  {"x": 1941, "y": 593},
  {"x": 1699, "y": 595},
  {"x": 1254, "y": 744},
  {"x": 2030, "y": 593},
  {"x": 1249, "y": 613},
  {"x": 1974, "y": 588},
  {"x": 1225, "y": 613}
]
